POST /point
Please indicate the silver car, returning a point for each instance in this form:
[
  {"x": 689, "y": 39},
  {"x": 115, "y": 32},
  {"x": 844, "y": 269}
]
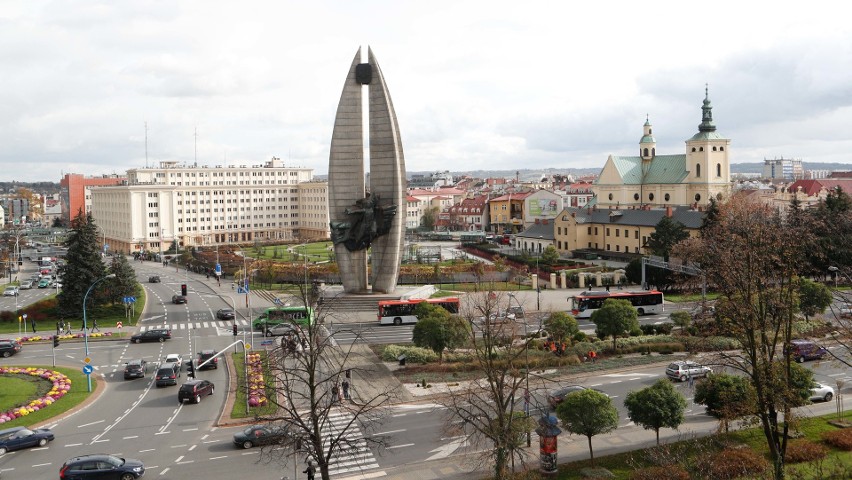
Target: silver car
[
  {"x": 26, "y": 285},
  {"x": 821, "y": 393},
  {"x": 683, "y": 370}
]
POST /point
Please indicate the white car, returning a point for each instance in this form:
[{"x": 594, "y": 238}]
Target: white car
[
  {"x": 11, "y": 291},
  {"x": 26, "y": 285},
  {"x": 173, "y": 359},
  {"x": 821, "y": 393}
]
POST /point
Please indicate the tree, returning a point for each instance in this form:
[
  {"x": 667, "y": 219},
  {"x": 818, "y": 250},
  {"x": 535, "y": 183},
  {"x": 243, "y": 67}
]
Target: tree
[
  {"x": 549, "y": 256},
  {"x": 667, "y": 234},
  {"x": 124, "y": 284},
  {"x": 589, "y": 413},
  {"x": 655, "y": 407},
  {"x": 561, "y": 326},
  {"x": 814, "y": 298},
  {"x": 726, "y": 397},
  {"x": 615, "y": 318},
  {"x": 487, "y": 409},
  {"x": 83, "y": 266},
  {"x": 429, "y": 218},
  {"x": 438, "y": 330},
  {"x": 681, "y": 319},
  {"x": 308, "y": 381}
]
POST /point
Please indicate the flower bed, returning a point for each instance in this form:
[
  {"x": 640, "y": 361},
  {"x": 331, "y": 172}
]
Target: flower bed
[
  {"x": 61, "y": 386},
  {"x": 256, "y": 383},
  {"x": 39, "y": 338}
]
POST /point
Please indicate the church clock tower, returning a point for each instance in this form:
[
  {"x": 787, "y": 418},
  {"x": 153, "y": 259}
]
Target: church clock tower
[{"x": 707, "y": 160}]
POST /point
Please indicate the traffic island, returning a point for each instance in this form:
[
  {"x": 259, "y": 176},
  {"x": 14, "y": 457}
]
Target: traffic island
[{"x": 35, "y": 395}]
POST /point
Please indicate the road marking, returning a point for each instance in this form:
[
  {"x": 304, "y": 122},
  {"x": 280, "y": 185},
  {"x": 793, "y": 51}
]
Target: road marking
[
  {"x": 90, "y": 424},
  {"x": 178, "y": 446},
  {"x": 147, "y": 450},
  {"x": 391, "y": 431},
  {"x": 179, "y": 459},
  {"x": 41, "y": 465},
  {"x": 128, "y": 438},
  {"x": 99, "y": 440},
  {"x": 217, "y": 458},
  {"x": 401, "y": 446},
  {"x": 163, "y": 472},
  {"x": 399, "y": 415},
  {"x": 39, "y": 448},
  {"x": 249, "y": 453},
  {"x": 190, "y": 429},
  {"x": 73, "y": 445},
  {"x": 192, "y": 448}
]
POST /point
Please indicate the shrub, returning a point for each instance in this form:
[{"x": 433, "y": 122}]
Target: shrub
[
  {"x": 733, "y": 463},
  {"x": 841, "y": 439},
  {"x": 805, "y": 451},
  {"x": 669, "y": 472},
  {"x": 391, "y": 353},
  {"x": 666, "y": 348}
]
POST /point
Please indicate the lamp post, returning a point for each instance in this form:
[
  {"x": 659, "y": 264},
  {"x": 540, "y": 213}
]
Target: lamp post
[
  {"x": 527, "y": 359},
  {"x": 836, "y": 272},
  {"x": 85, "y": 324}
]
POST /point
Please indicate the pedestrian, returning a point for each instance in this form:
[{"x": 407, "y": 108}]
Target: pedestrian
[
  {"x": 68, "y": 327},
  {"x": 346, "y": 389},
  {"x": 593, "y": 356},
  {"x": 334, "y": 393},
  {"x": 33, "y": 323},
  {"x": 691, "y": 381},
  {"x": 310, "y": 470},
  {"x": 95, "y": 325},
  {"x": 58, "y": 328},
  {"x": 607, "y": 288}
]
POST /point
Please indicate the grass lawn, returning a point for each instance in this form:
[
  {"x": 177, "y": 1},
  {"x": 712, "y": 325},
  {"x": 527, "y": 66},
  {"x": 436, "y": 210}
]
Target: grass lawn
[
  {"x": 690, "y": 297},
  {"x": 316, "y": 252},
  {"x": 74, "y": 397},
  {"x": 239, "y": 409}
]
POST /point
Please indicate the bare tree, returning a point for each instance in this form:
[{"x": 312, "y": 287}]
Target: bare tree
[
  {"x": 488, "y": 409},
  {"x": 318, "y": 399}
]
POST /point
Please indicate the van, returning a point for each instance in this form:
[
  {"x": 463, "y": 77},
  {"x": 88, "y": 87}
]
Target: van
[{"x": 802, "y": 350}]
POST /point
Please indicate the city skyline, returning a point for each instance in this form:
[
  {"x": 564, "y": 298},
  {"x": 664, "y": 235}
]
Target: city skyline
[{"x": 493, "y": 86}]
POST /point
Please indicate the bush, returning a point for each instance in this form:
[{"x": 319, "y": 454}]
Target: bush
[
  {"x": 804, "y": 451},
  {"x": 666, "y": 348},
  {"x": 841, "y": 439},
  {"x": 710, "y": 344},
  {"x": 412, "y": 354},
  {"x": 733, "y": 463},
  {"x": 662, "y": 329},
  {"x": 669, "y": 472}
]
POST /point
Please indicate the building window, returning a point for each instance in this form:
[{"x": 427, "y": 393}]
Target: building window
[
  {"x": 636, "y": 197},
  {"x": 693, "y": 149},
  {"x": 617, "y": 233},
  {"x": 645, "y": 152},
  {"x": 697, "y": 197},
  {"x": 651, "y": 197},
  {"x": 667, "y": 197},
  {"x": 610, "y": 196},
  {"x": 721, "y": 149},
  {"x": 607, "y": 246},
  {"x": 700, "y": 149},
  {"x": 714, "y": 149},
  {"x": 718, "y": 169},
  {"x": 637, "y": 234},
  {"x": 618, "y": 248},
  {"x": 590, "y": 231},
  {"x": 698, "y": 170},
  {"x": 607, "y": 234},
  {"x": 596, "y": 232}
]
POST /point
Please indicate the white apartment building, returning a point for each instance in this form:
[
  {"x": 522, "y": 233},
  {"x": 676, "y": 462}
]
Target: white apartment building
[{"x": 201, "y": 205}]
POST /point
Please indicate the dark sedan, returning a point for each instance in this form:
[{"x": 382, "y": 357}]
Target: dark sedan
[
  {"x": 167, "y": 376},
  {"x": 556, "y": 397},
  {"x": 178, "y": 299},
  {"x": 154, "y": 279},
  {"x": 225, "y": 314},
  {"x": 102, "y": 467},
  {"x": 153, "y": 335},
  {"x": 9, "y": 348},
  {"x": 260, "y": 435},
  {"x": 22, "y": 437},
  {"x": 135, "y": 369}
]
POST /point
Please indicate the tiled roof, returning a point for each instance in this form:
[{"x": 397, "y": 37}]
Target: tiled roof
[
  {"x": 543, "y": 230},
  {"x": 514, "y": 196},
  {"x": 812, "y": 187},
  {"x": 665, "y": 169},
  {"x": 636, "y": 217}
]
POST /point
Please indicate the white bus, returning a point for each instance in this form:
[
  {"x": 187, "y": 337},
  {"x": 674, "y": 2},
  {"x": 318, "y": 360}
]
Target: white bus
[
  {"x": 647, "y": 302},
  {"x": 397, "y": 312}
]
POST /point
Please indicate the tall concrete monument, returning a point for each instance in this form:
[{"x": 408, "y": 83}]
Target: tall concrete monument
[{"x": 366, "y": 217}]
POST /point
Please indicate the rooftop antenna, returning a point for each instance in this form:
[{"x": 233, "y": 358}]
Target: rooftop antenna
[{"x": 146, "y": 144}]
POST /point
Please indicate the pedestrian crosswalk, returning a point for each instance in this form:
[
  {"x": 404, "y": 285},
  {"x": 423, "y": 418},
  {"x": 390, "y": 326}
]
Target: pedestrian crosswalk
[
  {"x": 354, "y": 456},
  {"x": 227, "y": 324}
]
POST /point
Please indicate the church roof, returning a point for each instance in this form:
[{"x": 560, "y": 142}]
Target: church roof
[
  {"x": 636, "y": 217},
  {"x": 664, "y": 169},
  {"x": 708, "y": 136}
]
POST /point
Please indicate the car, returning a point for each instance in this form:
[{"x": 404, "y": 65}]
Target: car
[
  {"x": 193, "y": 390},
  {"x": 845, "y": 310},
  {"x": 685, "y": 369},
  {"x": 10, "y": 291},
  {"x": 153, "y": 335},
  {"x": 22, "y": 437},
  {"x": 102, "y": 467},
  {"x": 225, "y": 314},
  {"x": 260, "y": 435},
  {"x": 555, "y": 397},
  {"x": 821, "y": 393},
  {"x": 205, "y": 355},
  {"x": 154, "y": 279},
  {"x": 178, "y": 299},
  {"x": 173, "y": 359},
  {"x": 9, "y": 348},
  {"x": 702, "y": 312},
  {"x": 44, "y": 283},
  {"x": 135, "y": 369},
  {"x": 802, "y": 350},
  {"x": 26, "y": 285},
  {"x": 281, "y": 329},
  {"x": 167, "y": 375}
]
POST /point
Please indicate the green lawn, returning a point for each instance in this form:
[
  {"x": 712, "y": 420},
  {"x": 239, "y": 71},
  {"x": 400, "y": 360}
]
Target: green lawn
[
  {"x": 316, "y": 252},
  {"x": 78, "y": 393}
]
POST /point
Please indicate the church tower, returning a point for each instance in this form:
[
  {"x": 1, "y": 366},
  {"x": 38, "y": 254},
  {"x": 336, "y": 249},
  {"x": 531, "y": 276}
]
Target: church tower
[
  {"x": 707, "y": 160},
  {"x": 647, "y": 145}
]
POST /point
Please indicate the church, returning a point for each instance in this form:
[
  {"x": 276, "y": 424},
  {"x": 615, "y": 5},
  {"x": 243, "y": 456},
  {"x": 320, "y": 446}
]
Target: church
[{"x": 652, "y": 180}]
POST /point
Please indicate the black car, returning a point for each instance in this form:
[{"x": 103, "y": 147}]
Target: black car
[
  {"x": 167, "y": 375},
  {"x": 154, "y": 279},
  {"x": 102, "y": 467},
  {"x": 178, "y": 299},
  {"x": 153, "y": 335},
  {"x": 225, "y": 314},
  {"x": 135, "y": 369},
  {"x": 22, "y": 437},
  {"x": 260, "y": 435},
  {"x": 193, "y": 390},
  {"x": 9, "y": 348},
  {"x": 556, "y": 397},
  {"x": 205, "y": 355}
]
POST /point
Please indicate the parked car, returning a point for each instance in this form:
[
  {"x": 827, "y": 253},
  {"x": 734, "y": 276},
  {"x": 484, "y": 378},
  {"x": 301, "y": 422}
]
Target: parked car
[
  {"x": 556, "y": 397},
  {"x": 178, "y": 299},
  {"x": 153, "y": 335},
  {"x": 26, "y": 285},
  {"x": 173, "y": 359},
  {"x": 682, "y": 370},
  {"x": 281, "y": 329},
  {"x": 802, "y": 350},
  {"x": 205, "y": 355},
  {"x": 9, "y": 348},
  {"x": 154, "y": 279},
  {"x": 260, "y": 435},
  {"x": 225, "y": 314},
  {"x": 821, "y": 393},
  {"x": 44, "y": 282},
  {"x": 846, "y": 310},
  {"x": 22, "y": 437},
  {"x": 135, "y": 369},
  {"x": 167, "y": 375},
  {"x": 193, "y": 390},
  {"x": 10, "y": 291},
  {"x": 101, "y": 467}
]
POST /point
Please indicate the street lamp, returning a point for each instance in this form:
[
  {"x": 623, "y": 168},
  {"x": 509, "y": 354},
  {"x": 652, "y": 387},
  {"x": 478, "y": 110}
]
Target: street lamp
[
  {"x": 527, "y": 359},
  {"x": 85, "y": 324},
  {"x": 836, "y": 271}
]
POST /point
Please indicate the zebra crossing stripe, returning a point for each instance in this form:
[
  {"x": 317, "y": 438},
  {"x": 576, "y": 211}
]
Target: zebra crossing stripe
[
  {"x": 353, "y": 457},
  {"x": 185, "y": 326}
]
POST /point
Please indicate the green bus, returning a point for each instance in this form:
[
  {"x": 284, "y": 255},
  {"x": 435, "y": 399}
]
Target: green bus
[{"x": 302, "y": 316}]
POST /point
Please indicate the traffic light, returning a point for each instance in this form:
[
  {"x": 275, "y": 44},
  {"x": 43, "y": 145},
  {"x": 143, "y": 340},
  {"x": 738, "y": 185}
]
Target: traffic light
[
  {"x": 235, "y": 329},
  {"x": 191, "y": 370},
  {"x": 183, "y": 289},
  {"x": 55, "y": 341}
]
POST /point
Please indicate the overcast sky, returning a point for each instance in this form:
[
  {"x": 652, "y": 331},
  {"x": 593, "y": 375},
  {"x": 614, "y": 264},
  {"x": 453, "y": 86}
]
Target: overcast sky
[{"x": 476, "y": 84}]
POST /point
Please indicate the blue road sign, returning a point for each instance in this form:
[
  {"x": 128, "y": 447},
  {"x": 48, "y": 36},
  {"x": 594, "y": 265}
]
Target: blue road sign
[
  {"x": 218, "y": 269},
  {"x": 277, "y": 301},
  {"x": 87, "y": 369}
]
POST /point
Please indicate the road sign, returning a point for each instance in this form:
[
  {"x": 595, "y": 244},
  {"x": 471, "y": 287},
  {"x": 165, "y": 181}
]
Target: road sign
[
  {"x": 267, "y": 342},
  {"x": 118, "y": 325},
  {"x": 248, "y": 347},
  {"x": 277, "y": 301},
  {"x": 87, "y": 360},
  {"x": 25, "y": 316},
  {"x": 218, "y": 269},
  {"x": 87, "y": 369}
]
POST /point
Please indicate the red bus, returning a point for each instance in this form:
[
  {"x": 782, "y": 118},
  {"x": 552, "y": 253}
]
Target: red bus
[{"x": 397, "y": 312}]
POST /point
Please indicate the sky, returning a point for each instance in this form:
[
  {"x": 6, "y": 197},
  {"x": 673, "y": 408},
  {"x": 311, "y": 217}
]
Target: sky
[{"x": 476, "y": 84}]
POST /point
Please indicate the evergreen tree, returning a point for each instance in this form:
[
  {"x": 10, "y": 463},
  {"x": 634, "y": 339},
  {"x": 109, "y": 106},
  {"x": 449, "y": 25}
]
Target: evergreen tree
[
  {"x": 711, "y": 217},
  {"x": 83, "y": 266},
  {"x": 124, "y": 283}
]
